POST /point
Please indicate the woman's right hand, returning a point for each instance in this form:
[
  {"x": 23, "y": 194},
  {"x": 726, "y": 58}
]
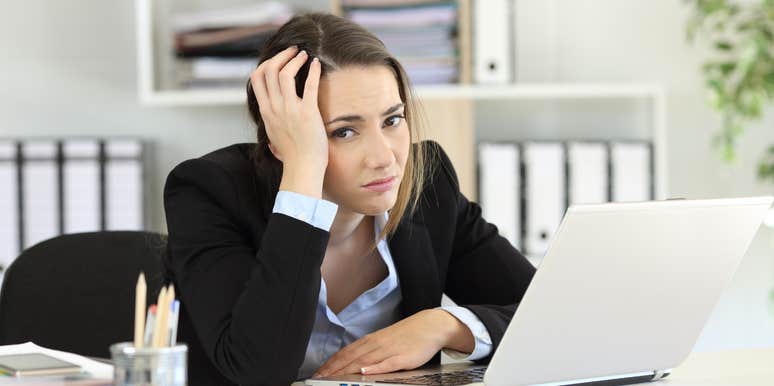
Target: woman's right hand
[{"x": 294, "y": 125}]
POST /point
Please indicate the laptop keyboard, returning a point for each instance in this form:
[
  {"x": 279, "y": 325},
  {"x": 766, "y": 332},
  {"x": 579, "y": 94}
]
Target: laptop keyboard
[{"x": 445, "y": 379}]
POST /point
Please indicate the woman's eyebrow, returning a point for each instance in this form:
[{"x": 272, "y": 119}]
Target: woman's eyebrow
[{"x": 350, "y": 118}]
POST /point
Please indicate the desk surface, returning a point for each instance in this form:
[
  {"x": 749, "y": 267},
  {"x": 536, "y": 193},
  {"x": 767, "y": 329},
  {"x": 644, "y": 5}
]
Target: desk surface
[{"x": 749, "y": 367}]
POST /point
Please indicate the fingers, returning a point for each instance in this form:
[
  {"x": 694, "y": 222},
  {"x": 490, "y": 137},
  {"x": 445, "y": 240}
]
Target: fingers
[
  {"x": 393, "y": 363},
  {"x": 356, "y": 365},
  {"x": 271, "y": 69},
  {"x": 287, "y": 76},
  {"x": 347, "y": 355},
  {"x": 258, "y": 82},
  {"x": 312, "y": 82},
  {"x": 275, "y": 78}
]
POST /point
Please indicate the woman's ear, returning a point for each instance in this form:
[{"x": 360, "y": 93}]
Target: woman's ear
[{"x": 274, "y": 151}]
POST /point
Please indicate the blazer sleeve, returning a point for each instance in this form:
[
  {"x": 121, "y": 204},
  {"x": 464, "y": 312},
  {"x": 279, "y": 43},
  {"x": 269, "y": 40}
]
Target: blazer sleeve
[
  {"x": 486, "y": 274},
  {"x": 251, "y": 308}
]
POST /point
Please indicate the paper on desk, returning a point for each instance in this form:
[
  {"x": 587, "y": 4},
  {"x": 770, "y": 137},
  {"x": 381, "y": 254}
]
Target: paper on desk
[{"x": 97, "y": 370}]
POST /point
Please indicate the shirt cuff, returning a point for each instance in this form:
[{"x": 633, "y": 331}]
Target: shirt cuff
[
  {"x": 483, "y": 342},
  {"x": 314, "y": 211}
]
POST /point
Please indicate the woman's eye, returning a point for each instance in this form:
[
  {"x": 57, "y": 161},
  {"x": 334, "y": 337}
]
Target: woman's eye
[
  {"x": 395, "y": 119},
  {"x": 344, "y": 132}
]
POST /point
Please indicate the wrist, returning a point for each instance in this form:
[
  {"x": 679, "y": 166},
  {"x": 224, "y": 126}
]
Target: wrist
[
  {"x": 303, "y": 178},
  {"x": 305, "y": 161},
  {"x": 455, "y": 334}
]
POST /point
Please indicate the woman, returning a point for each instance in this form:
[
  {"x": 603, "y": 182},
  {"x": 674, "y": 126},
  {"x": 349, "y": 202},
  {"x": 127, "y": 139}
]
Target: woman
[{"x": 325, "y": 247}]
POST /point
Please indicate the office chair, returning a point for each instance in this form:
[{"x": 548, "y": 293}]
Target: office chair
[{"x": 76, "y": 292}]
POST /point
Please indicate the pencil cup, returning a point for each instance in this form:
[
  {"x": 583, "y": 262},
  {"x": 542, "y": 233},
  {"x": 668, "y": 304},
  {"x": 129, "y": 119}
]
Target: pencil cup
[{"x": 149, "y": 366}]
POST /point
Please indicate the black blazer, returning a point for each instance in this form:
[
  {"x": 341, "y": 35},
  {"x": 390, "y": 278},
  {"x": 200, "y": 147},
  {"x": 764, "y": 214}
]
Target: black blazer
[{"x": 249, "y": 279}]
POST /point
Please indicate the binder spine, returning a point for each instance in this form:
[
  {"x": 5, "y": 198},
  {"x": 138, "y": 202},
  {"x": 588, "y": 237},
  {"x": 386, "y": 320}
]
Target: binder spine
[
  {"x": 125, "y": 191},
  {"x": 610, "y": 182},
  {"x": 145, "y": 176},
  {"x": 479, "y": 189},
  {"x": 102, "y": 191},
  {"x": 20, "y": 194},
  {"x": 652, "y": 171},
  {"x": 60, "y": 194},
  {"x": 566, "y": 162},
  {"x": 493, "y": 52},
  {"x": 522, "y": 197}
]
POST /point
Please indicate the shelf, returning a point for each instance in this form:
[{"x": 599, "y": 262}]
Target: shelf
[
  {"x": 451, "y": 107},
  {"x": 152, "y": 88},
  {"x": 436, "y": 92},
  {"x": 539, "y": 91}
]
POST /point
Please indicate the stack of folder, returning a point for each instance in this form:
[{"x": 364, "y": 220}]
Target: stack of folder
[
  {"x": 421, "y": 34},
  {"x": 50, "y": 187},
  {"x": 220, "y": 47},
  {"x": 525, "y": 187}
]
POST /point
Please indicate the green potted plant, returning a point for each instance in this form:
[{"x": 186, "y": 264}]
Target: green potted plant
[{"x": 739, "y": 74}]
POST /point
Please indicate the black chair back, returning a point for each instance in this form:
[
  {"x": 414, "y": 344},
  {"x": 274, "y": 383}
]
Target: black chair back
[{"x": 76, "y": 292}]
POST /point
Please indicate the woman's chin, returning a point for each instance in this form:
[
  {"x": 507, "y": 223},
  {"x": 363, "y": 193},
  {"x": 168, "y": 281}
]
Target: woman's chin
[{"x": 377, "y": 206}]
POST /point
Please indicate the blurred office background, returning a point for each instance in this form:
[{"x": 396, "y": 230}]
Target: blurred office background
[{"x": 70, "y": 69}]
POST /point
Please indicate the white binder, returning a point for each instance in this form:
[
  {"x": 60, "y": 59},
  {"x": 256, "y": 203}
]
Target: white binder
[
  {"x": 492, "y": 41},
  {"x": 124, "y": 185},
  {"x": 9, "y": 204},
  {"x": 588, "y": 180},
  {"x": 40, "y": 191},
  {"x": 545, "y": 194},
  {"x": 631, "y": 171},
  {"x": 499, "y": 188},
  {"x": 81, "y": 186}
]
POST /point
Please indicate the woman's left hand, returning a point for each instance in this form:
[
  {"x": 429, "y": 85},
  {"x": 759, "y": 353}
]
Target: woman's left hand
[{"x": 405, "y": 345}]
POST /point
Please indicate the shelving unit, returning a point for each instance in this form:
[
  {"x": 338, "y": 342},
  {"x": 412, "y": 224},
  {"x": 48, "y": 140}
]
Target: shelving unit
[
  {"x": 152, "y": 42},
  {"x": 450, "y": 108},
  {"x": 435, "y": 92}
]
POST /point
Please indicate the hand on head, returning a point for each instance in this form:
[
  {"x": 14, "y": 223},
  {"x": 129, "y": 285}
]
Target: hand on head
[{"x": 294, "y": 125}]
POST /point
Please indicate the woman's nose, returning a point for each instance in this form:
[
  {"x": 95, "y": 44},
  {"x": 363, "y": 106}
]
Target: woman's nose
[{"x": 379, "y": 152}]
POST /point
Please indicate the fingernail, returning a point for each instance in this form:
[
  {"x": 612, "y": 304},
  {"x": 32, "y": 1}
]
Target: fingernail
[
  {"x": 293, "y": 47},
  {"x": 363, "y": 370},
  {"x": 302, "y": 53}
]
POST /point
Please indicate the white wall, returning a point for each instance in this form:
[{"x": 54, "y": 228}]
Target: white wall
[
  {"x": 68, "y": 68},
  {"x": 643, "y": 41}
]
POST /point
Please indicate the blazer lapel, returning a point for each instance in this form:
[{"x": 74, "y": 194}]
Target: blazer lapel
[{"x": 414, "y": 260}]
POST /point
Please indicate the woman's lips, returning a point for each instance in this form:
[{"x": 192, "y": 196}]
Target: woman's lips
[{"x": 381, "y": 185}]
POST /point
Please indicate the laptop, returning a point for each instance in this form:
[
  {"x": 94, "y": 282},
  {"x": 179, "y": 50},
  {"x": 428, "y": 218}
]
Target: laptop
[{"x": 621, "y": 296}]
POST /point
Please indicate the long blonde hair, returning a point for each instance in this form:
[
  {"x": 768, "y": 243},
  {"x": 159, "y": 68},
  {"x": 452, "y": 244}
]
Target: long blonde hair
[{"x": 338, "y": 43}]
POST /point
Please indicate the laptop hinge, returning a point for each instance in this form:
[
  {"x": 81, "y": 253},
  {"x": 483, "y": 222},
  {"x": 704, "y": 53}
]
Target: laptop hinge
[{"x": 658, "y": 374}]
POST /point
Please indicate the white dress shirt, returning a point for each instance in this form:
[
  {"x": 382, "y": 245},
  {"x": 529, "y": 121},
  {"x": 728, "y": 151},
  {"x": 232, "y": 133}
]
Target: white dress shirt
[{"x": 374, "y": 309}]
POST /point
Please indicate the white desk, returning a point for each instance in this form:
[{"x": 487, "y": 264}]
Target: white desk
[{"x": 751, "y": 367}]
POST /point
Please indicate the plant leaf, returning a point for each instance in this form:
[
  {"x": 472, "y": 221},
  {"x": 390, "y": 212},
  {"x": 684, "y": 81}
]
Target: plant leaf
[{"x": 724, "y": 45}]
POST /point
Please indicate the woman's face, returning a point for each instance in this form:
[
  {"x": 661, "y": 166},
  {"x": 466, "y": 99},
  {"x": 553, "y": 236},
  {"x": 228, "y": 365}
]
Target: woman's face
[{"x": 368, "y": 138}]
